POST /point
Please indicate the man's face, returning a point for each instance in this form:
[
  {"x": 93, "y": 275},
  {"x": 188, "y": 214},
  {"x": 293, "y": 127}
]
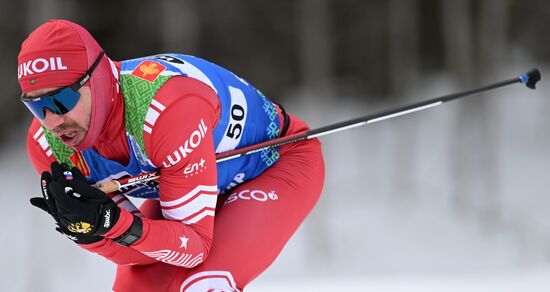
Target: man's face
[{"x": 70, "y": 128}]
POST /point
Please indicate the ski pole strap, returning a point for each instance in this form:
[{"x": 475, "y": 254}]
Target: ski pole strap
[{"x": 286, "y": 119}]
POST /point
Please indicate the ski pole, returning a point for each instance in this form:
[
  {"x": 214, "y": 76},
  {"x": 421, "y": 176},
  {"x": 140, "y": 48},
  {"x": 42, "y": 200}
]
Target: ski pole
[{"x": 530, "y": 79}]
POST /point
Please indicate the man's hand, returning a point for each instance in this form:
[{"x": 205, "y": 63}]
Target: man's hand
[
  {"x": 47, "y": 204},
  {"x": 81, "y": 208}
]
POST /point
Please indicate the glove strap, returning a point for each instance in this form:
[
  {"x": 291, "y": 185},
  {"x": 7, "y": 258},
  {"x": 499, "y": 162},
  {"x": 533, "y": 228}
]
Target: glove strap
[{"x": 133, "y": 233}]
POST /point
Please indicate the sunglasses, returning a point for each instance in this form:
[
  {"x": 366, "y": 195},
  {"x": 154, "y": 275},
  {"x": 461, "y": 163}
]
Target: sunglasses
[{"x": 60, "y": 101}]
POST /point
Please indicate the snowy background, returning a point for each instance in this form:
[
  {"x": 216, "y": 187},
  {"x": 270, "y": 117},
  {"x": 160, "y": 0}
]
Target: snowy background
[{"x": 454, "y": 198}]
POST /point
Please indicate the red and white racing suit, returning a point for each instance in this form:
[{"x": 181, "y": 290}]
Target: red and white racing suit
[{"x": 252, "y": 222}]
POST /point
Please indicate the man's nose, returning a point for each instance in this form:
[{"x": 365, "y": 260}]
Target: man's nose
[{"x": 52, "y": 121}]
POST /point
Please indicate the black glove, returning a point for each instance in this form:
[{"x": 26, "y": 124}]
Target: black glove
[
  {"x": 81, "y": 208},
  {"x": 47, "y": 203}
]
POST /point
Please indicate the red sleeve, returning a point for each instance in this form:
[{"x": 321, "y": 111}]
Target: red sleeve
[
  {"x": 117, "y": 253},
  {"x": 178, "y": 139},
  {"x": 122, "y": 255}
]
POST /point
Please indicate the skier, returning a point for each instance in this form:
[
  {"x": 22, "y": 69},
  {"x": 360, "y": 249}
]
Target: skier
[{"x": 204, "y": 226}]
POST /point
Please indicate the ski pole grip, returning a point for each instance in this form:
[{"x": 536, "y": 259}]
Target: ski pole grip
[{"x": 108, "y": 187}]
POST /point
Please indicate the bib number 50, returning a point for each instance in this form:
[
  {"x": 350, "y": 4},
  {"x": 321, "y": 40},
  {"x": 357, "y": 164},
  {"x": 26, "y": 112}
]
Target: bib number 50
[{"x": 235, "y": 128}]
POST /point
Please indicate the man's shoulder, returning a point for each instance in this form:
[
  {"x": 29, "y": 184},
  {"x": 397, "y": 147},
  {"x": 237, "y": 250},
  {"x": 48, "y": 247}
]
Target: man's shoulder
[
  {"x": 182, "y": 107},
  {"x": 183, "y": 88},
  {"x": 34, "y": 126}
]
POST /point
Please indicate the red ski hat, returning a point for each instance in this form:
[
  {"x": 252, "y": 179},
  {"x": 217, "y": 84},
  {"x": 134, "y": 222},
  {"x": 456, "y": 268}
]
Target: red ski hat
[
  {"x": 57, "y": 54},
  {"x": 52, "y": 56}
]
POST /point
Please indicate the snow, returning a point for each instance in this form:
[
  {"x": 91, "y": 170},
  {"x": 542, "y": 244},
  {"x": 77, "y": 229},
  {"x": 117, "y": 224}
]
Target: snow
[{"x": 533, "y": 281}]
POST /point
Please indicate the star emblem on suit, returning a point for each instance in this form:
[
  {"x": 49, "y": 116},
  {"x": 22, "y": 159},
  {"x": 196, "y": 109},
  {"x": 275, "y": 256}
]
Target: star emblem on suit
[{"x": 184, "y": 241}]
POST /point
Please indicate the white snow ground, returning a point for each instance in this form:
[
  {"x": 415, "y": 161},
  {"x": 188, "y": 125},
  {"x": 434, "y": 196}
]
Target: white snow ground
[{"x": 534, "y": 281}]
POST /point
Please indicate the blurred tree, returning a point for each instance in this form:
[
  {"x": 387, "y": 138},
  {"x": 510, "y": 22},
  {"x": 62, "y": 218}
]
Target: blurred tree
[
  {"x": 315, "y": 47},
  {"x": 458, "y": 40},
  {"x": 493, "y": 21},
  {"x": 403, "y": 45},
  {"x": 180, "y": 26},
  {"x": 316, "y": 62},
  {"x": 360, "y": 46},
  {"x": 529, "y": 27},
  {"x": 11, "y": 36},
  {"x": 256, "y": 41},
  {"x": 403, "y": 74},
  {"x": 475, "y": 46}
]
